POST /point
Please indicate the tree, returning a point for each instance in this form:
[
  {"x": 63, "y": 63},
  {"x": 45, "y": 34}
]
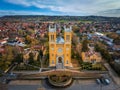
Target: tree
[
  {"x": 85, "y": 46},
  {"x": 117, "y": 40},
  {"x": 112, "y": 35},
  {"x": 72, "y": 53},
  {"x": 28, "y": 39},
  {"x": 105, "y": 54},
  {"x": 75, "y": 40},
  {"x": 76, "y": 29},
  {"x": 19, "y": 58},
  {"x": 31, "y": 58},
  {"x": 34, "y": 41},
  {"x": 4, "y": 62},
  {"x": 41, "y": 54},
  {"x": 7, "y": 58}
]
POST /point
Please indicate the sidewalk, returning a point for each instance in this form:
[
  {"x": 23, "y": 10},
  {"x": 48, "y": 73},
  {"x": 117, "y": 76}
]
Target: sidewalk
[
  {"x": 113, "y": 74},
  {"x": 3, "y": 86}
]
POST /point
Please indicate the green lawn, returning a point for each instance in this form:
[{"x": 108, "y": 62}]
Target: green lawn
[
  {"x": 25, "y": 67},
  {"x": 89, "y": 66},
  {"x": 99, "y": 65}
]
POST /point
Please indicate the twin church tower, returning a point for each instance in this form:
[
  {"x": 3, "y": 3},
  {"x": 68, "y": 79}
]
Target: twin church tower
[{"x": 60, "y": 48}]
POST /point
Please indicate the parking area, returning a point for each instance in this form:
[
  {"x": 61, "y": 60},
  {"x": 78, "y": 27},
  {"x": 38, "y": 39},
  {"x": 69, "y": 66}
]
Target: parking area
[
  {"x": 92, "y": 85},
  {"x": 77, "y": 85}
]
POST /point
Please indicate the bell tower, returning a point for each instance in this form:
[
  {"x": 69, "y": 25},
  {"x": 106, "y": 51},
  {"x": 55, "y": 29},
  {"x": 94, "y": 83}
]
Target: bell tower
[
  {"x": 67, "y": 46},
  {"x": 52, "y": 45}
]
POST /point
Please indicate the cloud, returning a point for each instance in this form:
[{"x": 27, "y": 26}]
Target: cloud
[
  {"x": 13, "y": 12},
  {"x": 18, "y": 2},
  {"x": 110, "y": 13},
  {"x": 71, "y": 7}
]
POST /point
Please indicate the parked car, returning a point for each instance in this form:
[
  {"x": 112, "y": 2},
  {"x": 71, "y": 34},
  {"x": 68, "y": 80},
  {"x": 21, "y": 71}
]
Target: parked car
[
  {"x": 98, "y": 81},
  {"x": 105, "y": 81},
  {"x": 5, "y": 81}
]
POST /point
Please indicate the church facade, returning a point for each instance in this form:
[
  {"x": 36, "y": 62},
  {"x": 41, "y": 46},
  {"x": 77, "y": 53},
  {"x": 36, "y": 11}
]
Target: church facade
[{"x": 60, "y": 48}]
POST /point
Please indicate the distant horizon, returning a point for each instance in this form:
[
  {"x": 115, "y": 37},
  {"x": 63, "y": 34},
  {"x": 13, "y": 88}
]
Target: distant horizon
[
  {"x": 62, "y": 16},
  {"x": 106, "y": 8}
]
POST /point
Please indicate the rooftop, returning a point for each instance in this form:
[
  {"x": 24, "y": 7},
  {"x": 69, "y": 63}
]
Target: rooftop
[
  {"x": 90, "y": 53},
  {"x": 60, "y": 40}
]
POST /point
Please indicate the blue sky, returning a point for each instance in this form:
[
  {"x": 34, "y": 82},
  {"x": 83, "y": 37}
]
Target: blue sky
[{"x": 60, "y": 7}]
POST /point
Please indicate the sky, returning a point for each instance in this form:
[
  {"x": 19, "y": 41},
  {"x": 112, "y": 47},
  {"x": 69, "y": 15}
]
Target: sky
[{"x": 110, "y": 8}]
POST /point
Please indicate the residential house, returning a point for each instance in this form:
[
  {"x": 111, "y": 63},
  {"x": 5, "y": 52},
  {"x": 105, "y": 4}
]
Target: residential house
[
  {"x": 91, "y": 56},
  {"x": 116, "y": 47}
]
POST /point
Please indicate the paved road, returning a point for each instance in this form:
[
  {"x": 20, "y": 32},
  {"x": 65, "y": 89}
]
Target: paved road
[
  {"x": 77, "y": 85},
  {"x": 3, "y": 86}
]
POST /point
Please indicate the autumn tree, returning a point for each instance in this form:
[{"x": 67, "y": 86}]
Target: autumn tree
[
  {"x": 28, "y": 39},
  {"x": 19, "y": 58},
  {"x": 31, "y": 58},
  {"x": 7, "y": 58},
  {"x": 85, "y": 46},
  {"x": 105, "y": 54},
  {"x": 75, "y": 29}
]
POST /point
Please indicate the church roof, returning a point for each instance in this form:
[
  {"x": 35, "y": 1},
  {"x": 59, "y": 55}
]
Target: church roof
[
  {"x": 60, "y": 40},
  {"x": 52, "y": 30},
  {"x": 67, "y": 30}
]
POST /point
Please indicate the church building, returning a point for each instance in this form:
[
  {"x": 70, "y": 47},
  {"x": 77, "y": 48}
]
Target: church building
[{"x": 60, "y": 48}]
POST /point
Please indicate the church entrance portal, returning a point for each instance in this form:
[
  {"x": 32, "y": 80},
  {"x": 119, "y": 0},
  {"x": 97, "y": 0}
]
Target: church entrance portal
[
  {"x": 59, "y": 64},
  {"x": 59, "y": 59}
]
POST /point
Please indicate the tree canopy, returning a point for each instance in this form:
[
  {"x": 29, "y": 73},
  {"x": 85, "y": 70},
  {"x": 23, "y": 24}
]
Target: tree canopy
[{"x": 85, "y": 46}]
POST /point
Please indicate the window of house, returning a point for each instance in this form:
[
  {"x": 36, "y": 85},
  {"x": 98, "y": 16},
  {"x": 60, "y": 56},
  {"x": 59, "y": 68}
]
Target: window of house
[{"x": 93, "y": 61}]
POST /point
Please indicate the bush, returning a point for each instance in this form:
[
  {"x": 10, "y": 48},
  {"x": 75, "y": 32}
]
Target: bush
[
  {"x": 86, "y": 65},
  {"x": 25, "y": 67}
]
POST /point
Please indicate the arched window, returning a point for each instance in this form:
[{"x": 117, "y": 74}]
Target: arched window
[
  {"x": 66, "y": 61},
  {"x": 52, "y": 37},
  {"x": 67, "y": 37}
]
